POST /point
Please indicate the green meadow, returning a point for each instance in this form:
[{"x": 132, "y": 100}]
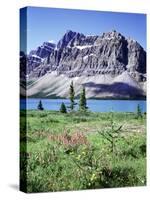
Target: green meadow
[{"x": 82, "y": 150}]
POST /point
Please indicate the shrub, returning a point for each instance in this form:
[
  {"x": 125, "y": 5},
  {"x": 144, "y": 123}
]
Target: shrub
[
  {"x": 118, "y": 176},
  {"x": 67, "y": 140}
]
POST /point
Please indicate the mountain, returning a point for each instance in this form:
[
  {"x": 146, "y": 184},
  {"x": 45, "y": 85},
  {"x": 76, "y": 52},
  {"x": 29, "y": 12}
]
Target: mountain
[
  {"x": 36, "y": 57},
  {"x": 108, "y": 66}
]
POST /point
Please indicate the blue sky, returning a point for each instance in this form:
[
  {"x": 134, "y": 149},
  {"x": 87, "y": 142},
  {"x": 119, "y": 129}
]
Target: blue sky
[{"x": 46, "y": 24}]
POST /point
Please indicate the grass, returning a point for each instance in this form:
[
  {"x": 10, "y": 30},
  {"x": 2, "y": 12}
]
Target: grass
[{"x": 69, "y": 151}]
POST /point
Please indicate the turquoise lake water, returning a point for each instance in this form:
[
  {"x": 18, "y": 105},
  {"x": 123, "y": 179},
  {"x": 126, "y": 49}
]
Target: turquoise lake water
[{"x": 93, "y": 105}]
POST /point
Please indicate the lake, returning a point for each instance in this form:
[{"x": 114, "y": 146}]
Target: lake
[{"x": 93, "y": 105}]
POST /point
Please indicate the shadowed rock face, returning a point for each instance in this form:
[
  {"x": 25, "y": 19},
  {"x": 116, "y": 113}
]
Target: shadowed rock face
[
  {"x": 117, "y": 89},
  {"x": 77, "y": 55}
]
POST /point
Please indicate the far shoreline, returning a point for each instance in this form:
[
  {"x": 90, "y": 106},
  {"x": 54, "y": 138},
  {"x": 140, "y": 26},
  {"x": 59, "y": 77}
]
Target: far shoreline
[{"x": 106, "y": 98}]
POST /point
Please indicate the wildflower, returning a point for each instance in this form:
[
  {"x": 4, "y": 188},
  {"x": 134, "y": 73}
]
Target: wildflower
[
  {"x": 93, "y": 177},
  {"x": 78, "y": 157}
]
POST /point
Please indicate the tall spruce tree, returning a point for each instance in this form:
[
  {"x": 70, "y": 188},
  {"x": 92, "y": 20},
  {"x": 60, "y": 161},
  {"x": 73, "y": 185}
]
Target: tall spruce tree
[
  {"x": 82, "y": 101},
  {"x": 40, "y": 106},
  {"x": 72, "y": 94}
]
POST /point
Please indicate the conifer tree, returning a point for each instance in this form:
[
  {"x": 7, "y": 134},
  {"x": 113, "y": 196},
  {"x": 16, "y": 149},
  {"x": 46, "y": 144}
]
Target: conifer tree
[
  {"x": 72, "y": 94},
  {"x": 139, "y": 111},
  {"x": 63, "y": 108},
  {"x": 40, "y": 106},
  {"x": 82, "y": 101}
]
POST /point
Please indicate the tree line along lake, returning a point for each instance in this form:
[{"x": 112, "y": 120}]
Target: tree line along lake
[{"x": 93, "y": 105}]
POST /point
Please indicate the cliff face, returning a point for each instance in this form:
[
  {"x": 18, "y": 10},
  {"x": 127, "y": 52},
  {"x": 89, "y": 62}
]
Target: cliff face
[{"x": 110, "y": 55}]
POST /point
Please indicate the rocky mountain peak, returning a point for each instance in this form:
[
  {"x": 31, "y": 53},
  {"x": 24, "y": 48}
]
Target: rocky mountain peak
[
  {"x": 70, "y": 38},
  {"x": 43, "y": 50},
  {"x": 37, "y": 56},
  {"x": 77, "y": 55},
  {"x": 112, "y": 35}
]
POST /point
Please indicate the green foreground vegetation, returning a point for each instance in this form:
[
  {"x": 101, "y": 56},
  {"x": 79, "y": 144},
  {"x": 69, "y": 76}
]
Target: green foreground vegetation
[{"x": 82, "y": 150}]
